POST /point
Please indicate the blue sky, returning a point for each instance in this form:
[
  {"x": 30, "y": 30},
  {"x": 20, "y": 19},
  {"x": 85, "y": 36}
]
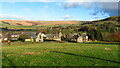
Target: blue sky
[{"x": 52, "y": 11}]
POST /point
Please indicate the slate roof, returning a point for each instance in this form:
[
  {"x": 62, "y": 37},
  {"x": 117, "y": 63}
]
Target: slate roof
[{"x": 52, "y": 35}]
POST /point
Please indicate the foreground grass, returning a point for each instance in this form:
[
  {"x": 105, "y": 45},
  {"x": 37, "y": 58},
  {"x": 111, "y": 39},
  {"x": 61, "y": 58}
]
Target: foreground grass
[{"x": 60, "y": 54}]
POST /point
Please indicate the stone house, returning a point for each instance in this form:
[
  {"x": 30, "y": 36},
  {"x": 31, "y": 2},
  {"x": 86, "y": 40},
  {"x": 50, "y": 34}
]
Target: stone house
[
  {"x": 80, "y": 38},
  {"x": 32, "y": 36},
  {"x": 0, "y": 38},
  {"x": 35, "y": 37},
  {"x": 15, "y": 36},
  {"x": 4, "y": 37},
  {"x": 40, "y": 37},
  {"x": 56, "y": 37}
]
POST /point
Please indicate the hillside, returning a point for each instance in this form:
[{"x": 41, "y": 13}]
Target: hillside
[
  {"x": 31, "y": 23},
  {"x": 113, "y": 19},
  {"x": 102, "y": 30},
  {"x": 23, "y": 24},
  {"x": 39, "y": 23}
]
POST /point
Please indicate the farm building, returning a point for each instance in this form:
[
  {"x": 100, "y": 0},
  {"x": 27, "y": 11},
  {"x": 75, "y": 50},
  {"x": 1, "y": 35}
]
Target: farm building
[
  {"x": 40, "y": 37},
  {"x": 80, "y": 38},
  {"x": 4, "y": 37},
  {"x": 0, "y": 38},
  {"x": 15, "y": 36},
  {"x": 56, "y": 37}
]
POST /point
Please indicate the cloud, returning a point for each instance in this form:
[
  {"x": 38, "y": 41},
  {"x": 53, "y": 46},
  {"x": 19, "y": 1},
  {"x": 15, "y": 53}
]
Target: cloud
[
  {"x": 44, "y": 0},
  {"x": 111, "y": 4},
  {"x": 97, "y": 11},
  {"x": 97, "y": 17},
  {"x": 76, "y": 4},
  {"x": 67, "y": 16},
  {"x": 60, "y": 0},
  {"x": 98, "y": 14},
  {"x": 91, "y": 0},
  {"x": 94, "y": 12},
  {"x": 110, "y": 7}
]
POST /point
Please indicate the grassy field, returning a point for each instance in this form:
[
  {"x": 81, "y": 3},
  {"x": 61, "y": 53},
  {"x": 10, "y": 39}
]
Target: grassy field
[
  {"x": 61, "y": 54},
  {"x": 35, "y": 27}
]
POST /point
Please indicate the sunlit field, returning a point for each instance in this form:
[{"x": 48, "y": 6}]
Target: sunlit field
[{"x": 61, "y": 54}]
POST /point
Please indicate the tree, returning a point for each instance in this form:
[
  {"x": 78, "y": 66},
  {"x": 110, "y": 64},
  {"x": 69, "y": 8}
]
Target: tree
[
  {"x": 23, "y": 37},
  {"x": 116, "y": 36},
  {"x": 98, "y": 35},
  {"x": 108, "y": 36},
  {"x": 91, "y": 34},
  {"x": 9, "y": 36}
]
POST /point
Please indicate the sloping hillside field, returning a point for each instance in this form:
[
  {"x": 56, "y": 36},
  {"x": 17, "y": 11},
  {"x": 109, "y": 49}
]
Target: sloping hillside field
[
  {"x": 61, "y": 54},
  {"x": 30, "y": 23}
]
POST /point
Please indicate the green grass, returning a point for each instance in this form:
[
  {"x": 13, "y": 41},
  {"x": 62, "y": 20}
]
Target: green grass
[{"x": 60, "y": 54}]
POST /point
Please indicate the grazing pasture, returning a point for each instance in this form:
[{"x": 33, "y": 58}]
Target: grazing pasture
[{"x": 61, "y": 54}]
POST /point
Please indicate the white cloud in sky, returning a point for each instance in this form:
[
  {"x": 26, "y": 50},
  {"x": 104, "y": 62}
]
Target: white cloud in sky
[
  {"x": 69, "y": 4},
  {"x": 67, "y": 16},
  {"x": 89, "y": 3},
  {"x": 97, "y": 17},
  {"x": 44, "y": 0},
  {"x": 108, "y": 6},
  {"x": 92, "y": 0}
]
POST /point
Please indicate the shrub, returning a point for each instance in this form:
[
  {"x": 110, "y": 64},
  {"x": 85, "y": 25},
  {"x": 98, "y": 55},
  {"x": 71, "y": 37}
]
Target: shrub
[
  {"x": 19, "y": 24},
  {"x": 108, "y": 36},
  {"x": 91, "y": 34},
  {"x": 23, "y": 37},
  {"x": 116, "y": 37}
]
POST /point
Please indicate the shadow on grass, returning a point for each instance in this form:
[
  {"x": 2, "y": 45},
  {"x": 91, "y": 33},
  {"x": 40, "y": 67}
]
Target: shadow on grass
[
  {"x": 85, "y": 56},
  {"x": 46, "y": 40},
  {"x": 107, "y": 43},
  {"x": 10, "y": 61}
]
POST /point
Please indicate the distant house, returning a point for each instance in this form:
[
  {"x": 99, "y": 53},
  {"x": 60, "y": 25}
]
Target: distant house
[
  {"x": 29, "y": 36},
  {"x": 80, "y": 38},
  {"x": 29, "y": 40},
  {"x": 4, "y": 37},
  {"x": 56, "y": 37},
  {"x": 40, "y": 37},
  {"x": 34, "y": 36},
  {"x": 15, "y": 36},
  {"x": 1, "y": 38}
]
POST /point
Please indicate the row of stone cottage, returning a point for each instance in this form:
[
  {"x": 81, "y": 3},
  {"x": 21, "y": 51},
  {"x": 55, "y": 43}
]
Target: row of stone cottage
[{"x": 39, "y": 37}]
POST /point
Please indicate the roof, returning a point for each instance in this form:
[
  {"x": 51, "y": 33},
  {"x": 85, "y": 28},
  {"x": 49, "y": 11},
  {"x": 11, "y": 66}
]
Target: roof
[
  {"x": 51, "y": 35},
  {"x": 75, "y": 36}
]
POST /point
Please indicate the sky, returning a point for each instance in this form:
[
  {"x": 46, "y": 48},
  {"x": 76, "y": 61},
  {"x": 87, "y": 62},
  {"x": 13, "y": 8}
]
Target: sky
[{"x": 50, "y": 10}]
